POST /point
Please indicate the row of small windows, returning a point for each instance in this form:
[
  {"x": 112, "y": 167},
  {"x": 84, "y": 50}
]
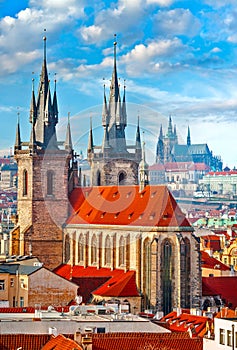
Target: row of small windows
[
  {"x": 227, "y": 337},
  {"x": 108, "y": 250},
  {"x": 49, "y": 183},
  {"x": 122, "y": 176}
]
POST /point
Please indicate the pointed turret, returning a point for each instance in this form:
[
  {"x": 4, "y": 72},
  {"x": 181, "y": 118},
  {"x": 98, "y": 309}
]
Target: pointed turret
[
  {"x": 55, "y": 104},
  {"x": 33, "y": 110},
  {"x": 105, "y": 113},
  {"x": 44, "y": 114},
  {"x": 48, "y": 108},
  {"x": 68, "y": 140},
  {"x": 170, "y": 128},
  {"x": 188, "y": 138},
  {"x": 124, "y": 109},
  {"x": 160, "y": 147},
  {"x": 143, "y": 170},
  {"x": 138, "y": 149},
  {"x": 18, "y": 135},
  {"x": 90, "y": 148},
  {"x": 105, "y": 145},
  {"x": 114, "y": 91}
]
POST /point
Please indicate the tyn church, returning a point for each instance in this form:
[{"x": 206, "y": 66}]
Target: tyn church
[{"x": 119, "y": 225}]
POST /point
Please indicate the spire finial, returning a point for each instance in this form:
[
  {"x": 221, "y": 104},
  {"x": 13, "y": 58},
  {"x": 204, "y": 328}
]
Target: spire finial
[
  {"x": 44, "y": 38},
  {"x": 18, "y": 115},
  {"x": 115, "y": 44},
  {"x": 33, "y": 82},
  {"x": 55, "y": 81},
  {"x": 68, "y": 117}
]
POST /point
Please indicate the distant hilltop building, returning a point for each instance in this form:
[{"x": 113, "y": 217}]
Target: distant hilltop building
[
  {"x": 169, "y": 150},
  {"x": 116, "y": 227}
]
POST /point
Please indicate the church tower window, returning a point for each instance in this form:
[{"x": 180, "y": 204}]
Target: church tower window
[
  {"x": 185, "y": 269},
  {"x": 167, "y": 277},
  {"x": 122, "y": 178},
  {"x": 81, "y": 248},
  {"x": 25, "y": 183},
  {"x": 98, "y": 179},
  {"x": 108, "y": 253},
  {"x": 122, "y": 251},
  {"x": 93, "y": 250},
  {"x": 50, "y": 176}
]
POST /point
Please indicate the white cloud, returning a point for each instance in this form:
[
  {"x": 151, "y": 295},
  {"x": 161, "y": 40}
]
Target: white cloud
[
  {"x": 68, "y": 7},
  {"x": 119, "y": 18},
  {"x": 176, "y": 22},
  {"x": 147, "y": 58},
  {"x": 160, "y": 2},
  {"x": 91, "y": 34}
]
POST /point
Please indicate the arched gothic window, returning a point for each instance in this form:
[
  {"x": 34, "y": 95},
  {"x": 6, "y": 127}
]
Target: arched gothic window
[
  {"x": 98, "y": 179},
  {"x": 93, "y": 250},
  {"x": 122, "y": 251},
  {"x": 185, "y": 272},
  {"x": 81, "y": 245},
  {"x": 67, "y": 249},
  {"x": 108, "y": 253},
  {"x": 122, "y": 178},
  {"x": 25, "y": 182},
  {"x": 50, "y": 176},
  {"x": 167, "y": 276}
]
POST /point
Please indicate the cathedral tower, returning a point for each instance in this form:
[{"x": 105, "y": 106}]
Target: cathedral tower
[
  {"x": 114, "y": 162},
  {"x": 45, "y": 176}
]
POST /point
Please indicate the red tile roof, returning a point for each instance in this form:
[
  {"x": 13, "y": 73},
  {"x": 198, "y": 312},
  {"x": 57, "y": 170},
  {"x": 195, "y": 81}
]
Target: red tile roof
[
  {"x": 126, "y": 205},
  {"x": 212, "y": 241},
  {"x": 26, "y": 341},
  {"x": 216, "y": 173},
  {"x": 224, "y": 286},
  {"x": 61, "y": 343},
  {"x": 106, "y": 282},
  {"x": 212, "y": 263},
  {"x": 140, "y": 341},
  {"x": 185, "y": 322}
]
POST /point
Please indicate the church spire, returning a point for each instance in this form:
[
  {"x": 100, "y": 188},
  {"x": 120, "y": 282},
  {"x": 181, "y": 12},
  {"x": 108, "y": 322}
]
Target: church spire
[
  {"x": 105, "y": 114},
  {"x": 188, "y": 137},
  {"x": 124, "y": 109},
  {"x": 68, "y": 140},
  {"x": 160, "y": 148},
  {"x": 18, "y": 135},
  {"x": 33, "y": 110},
  {"x": 170, "y": 129},
  {"x": 90, "y": 148},
  {"x": 138, "y": 140},
  {"x": 55, "y": 102},
  {"x": 44, "y": 113},
  {"x": 143, "y": 170}
]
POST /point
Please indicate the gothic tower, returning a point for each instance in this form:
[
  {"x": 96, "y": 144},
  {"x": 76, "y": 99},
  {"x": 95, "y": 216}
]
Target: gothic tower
[
  {"x": 166, "y": 143},
  {"x": 45, "y": 177},
  {"x": 114, "y": 162}
]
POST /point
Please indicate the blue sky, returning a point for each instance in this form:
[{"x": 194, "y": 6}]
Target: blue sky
[{"x": 178, "y": 58}]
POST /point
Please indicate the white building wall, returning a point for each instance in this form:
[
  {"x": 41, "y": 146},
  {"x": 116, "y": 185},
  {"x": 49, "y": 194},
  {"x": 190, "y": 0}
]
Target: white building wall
[{"x": 225, "y": 335}]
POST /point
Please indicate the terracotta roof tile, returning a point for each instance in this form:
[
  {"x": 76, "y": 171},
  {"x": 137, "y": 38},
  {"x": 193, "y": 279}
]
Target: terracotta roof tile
[
  {"x": 140, "y": 341},
  {"x": 60, "y": 342},
  {"x": 108, "y": 282},
  {"x": 125, "y": 205},
  {"x": 224, "y": 286},
  {"x": 212, "y": 263},
  {"x": 185, "y": 322},
  {"x": 29, "y": 341}
]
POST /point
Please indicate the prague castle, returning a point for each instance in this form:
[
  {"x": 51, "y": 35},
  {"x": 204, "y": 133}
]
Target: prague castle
[{"x": 118, "y": 225}]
